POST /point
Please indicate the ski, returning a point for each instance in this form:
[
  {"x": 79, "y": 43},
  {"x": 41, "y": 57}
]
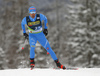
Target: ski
[{"x": 72, "y": 68}]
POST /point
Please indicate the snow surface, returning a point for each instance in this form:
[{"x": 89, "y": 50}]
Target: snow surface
[{"x": 50, "y": 72}]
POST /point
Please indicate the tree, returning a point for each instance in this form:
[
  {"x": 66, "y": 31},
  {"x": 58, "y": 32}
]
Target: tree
[
  {"x": 83, "y": 39},
  {"x": 11, "y": 19}
]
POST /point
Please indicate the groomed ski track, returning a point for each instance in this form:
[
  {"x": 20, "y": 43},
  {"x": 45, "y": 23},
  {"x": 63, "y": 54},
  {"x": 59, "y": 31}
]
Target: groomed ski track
[{"x": 50, "y": 72}]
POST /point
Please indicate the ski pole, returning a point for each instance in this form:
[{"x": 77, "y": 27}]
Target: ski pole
[{"x": 24, "y": 44}]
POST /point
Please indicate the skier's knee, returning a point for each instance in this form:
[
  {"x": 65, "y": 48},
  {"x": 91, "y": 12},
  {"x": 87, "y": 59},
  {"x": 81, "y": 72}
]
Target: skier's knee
[{"x": 32, "y": 46}]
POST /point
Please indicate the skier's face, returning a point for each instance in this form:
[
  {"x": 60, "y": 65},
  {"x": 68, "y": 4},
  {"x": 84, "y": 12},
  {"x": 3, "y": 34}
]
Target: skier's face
[{"x": 32, "y": 15}]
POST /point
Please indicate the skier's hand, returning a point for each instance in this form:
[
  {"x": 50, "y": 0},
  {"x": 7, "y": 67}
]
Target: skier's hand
[
  {"x": 25, "y": 35},
  {"x": 45, "y": 31}
]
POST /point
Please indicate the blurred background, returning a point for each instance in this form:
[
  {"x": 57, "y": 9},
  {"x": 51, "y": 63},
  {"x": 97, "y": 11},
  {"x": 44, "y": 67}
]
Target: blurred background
[{"x": 74, "y": 33}]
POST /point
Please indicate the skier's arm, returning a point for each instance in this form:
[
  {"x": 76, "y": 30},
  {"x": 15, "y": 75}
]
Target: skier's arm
[
  {"x": 44, "y": 18},
  {"x": 23, "y": 23},
  {"x": 45, "y": 23}
]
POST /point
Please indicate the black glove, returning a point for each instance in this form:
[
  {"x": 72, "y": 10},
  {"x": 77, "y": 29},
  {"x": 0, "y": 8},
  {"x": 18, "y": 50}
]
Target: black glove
[
  {"x": 25, "y": 35},
  {"x": 45, "y": 31}
]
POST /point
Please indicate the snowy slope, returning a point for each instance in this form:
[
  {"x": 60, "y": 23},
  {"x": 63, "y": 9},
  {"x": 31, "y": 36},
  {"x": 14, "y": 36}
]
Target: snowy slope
[{"x": 50, "y": 72}]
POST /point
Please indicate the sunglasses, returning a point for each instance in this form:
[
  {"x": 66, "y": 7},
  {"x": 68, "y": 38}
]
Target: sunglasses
[{"x": 32, "y": 12}]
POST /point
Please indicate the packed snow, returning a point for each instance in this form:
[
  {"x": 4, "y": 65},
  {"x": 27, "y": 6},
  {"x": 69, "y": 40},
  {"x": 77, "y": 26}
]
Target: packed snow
[{"x": 50, "y": 72}]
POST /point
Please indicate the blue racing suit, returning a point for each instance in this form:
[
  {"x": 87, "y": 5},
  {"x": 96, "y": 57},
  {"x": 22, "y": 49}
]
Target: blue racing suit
[{"x": 36, "y": 34}]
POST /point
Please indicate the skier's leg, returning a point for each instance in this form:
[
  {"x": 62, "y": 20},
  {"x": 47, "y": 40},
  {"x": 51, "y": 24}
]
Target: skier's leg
[
  {"x": 44, "y": 42},
  {"x": 32, "y": 42}
]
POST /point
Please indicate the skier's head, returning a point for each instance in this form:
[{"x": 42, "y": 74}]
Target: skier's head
[{"x": 32, "y": 11}]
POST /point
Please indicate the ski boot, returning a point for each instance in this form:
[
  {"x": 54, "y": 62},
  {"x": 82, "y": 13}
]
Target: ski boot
[
  {"x": 32, "y": 63},
  {"x": 59, "y": 65}
]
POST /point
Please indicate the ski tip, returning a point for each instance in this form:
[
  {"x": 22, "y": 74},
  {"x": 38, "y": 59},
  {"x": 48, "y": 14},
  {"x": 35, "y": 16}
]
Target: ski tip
[
  {"x": 54, "y": 68},
  {"x": 77, "y": 68}
]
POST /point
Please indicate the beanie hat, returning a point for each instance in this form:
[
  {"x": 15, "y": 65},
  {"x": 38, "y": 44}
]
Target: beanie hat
[{"x": 32, "y": 9}]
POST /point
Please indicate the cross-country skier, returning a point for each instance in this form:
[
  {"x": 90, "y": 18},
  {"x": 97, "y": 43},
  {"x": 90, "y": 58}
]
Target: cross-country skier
[{"x": 34, "y": 24}]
